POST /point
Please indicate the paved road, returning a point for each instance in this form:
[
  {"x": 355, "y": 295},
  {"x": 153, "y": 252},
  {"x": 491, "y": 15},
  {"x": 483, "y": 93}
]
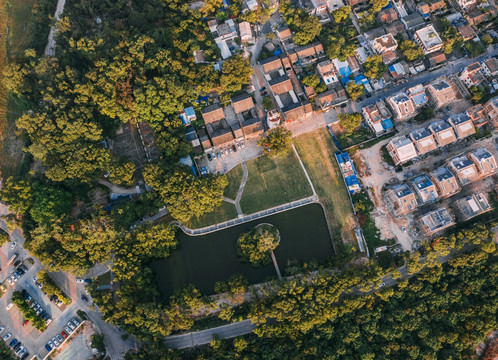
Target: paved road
[
  {"x": 50, "y": 48},
  {"x": 205, "y": 336}
]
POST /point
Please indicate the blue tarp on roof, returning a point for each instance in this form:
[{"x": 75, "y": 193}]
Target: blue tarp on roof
[
  {"x": 388, "y": 6},
  {"x": 277, "y": 52},
  {"x": 361, "y": 79},
  {"x": 386, "y": 124},
  {"x": 203, "y": 98},
  {"x": 345, "y": 80},
  {"x": 392, "y": 68}
]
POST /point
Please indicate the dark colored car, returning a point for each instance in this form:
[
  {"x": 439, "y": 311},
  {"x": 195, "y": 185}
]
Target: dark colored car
[
  {"x": 262, "y": 89},
  {"x": 13, "y": 342},
  {"x": 47, "y": 346},
  {"x": 25, "y": 356},
  {"x": 209, "y": 157},
  {"x": 234, "y": 148},
  {"x": 84, "y": 298},
  {"x": 264, "y": 93}
]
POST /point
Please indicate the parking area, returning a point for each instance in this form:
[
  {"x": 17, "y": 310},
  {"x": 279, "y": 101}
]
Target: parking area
[
  {"x": 78, "y": 348},
  {"x": 12, "y": 318},
  {"x": 224, "y": 158}
]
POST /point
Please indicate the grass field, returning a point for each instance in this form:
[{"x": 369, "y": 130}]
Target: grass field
[
  {"x": 234, "y": 177},
  {"x": 273, "y": 182},
  {"x": 20, "y": 15},
  {"x": 316, "y": 150},
  {"x": 222, "y": 213}
]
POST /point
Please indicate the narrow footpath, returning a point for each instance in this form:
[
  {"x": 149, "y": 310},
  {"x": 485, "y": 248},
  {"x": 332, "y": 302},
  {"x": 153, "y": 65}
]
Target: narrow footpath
[{"x": 241, "y": 189}]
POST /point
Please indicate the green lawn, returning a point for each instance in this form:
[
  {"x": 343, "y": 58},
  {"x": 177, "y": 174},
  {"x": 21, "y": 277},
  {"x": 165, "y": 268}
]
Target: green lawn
[
  {"x": 224, "y": 212},
  {"x": 316, "y": 150},
  {"x": 234, "y": 177},
  {"x": 20, "y": 15},
  {"x": 273, "y": 182}
]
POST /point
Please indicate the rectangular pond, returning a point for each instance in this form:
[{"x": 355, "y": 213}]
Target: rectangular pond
[{"x": 204, "y": 260}]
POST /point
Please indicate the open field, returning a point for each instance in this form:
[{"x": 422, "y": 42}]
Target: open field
[
  {"x": 273, "y": 182},
  {"x": 224, "y": 212},
  {"x": 234, "y": 177},
  {"x": 316, "y": 150}
]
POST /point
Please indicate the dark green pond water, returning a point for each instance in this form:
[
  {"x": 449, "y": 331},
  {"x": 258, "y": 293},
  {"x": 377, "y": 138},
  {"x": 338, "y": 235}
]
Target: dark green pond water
[{"x": 204, "y": 260}]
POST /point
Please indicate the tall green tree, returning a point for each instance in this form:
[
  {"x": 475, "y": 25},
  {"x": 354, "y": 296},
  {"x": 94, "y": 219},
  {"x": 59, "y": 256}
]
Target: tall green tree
[
  {"x": 374, "y": 67},
  {"x": 349, "y": 122},
  {"x": 410, "y": 50},
  {"x": 277, "y": 142},
  {"x": 355, "y": 90},
  {"x": 235, "y": 73}
]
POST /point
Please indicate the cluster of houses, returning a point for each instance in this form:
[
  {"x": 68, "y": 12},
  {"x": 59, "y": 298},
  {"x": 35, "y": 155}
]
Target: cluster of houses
[
  {"x": 225, "y": 125},
  {"x": 406, "y": 104},
  {"x": 441, "y": 133},
  {"x": 442, "y": 183},
  {"x": 483, "y": 73}
]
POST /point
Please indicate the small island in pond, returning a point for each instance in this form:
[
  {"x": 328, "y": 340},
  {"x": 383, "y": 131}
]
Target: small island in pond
[{"x": 256, "y": 245}]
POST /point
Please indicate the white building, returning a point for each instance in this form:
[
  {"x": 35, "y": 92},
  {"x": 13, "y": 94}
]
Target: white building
[{"x": 428, "y": 39}]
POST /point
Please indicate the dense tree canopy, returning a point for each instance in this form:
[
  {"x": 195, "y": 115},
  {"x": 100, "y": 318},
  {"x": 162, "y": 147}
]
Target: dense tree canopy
[
  {"x": 277, "y": 143},
  {"x": 255, "y": 246},
  {"x": 349, "y": 122},
  {"x": 374, "y": 67},
  {"x": 355, "y": 90},
  {"x": 236, "y": 72},
  {"x": 185, "y": 194},
  {"x": 410, "y": 50},
  {"x": 305, "y": 27}
]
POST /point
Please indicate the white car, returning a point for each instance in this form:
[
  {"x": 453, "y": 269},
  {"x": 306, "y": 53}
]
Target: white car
[
  {"x": 36, "y": 307},
  {"x": 56, "y": 342},
  {"x": 13, "y": 245},
  {"x": 2, "y": 328},
  {"x": 71, "y": 325},
  {"x": 9, "y": 306},
  {"x": 35, "y": 279},
  {"x": 7, "y": 337},
  {"x": 76, "y": 322},
  {"x": 68, "y": 330},
  {"x": 80, "y": 280},
  {"x": 10, "y": 280}
]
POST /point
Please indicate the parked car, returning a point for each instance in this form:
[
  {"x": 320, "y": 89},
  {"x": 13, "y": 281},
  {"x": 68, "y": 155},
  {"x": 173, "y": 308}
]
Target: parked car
[
  {"x": 13, "y": 342},
  {"x": 2, "y": 328},
  {"x": 238, "y": 145},
  {"x": 80, "y": 280},
  {"x": 71, "y": 325},
  {"x": 10, "y": 281},
  {"x": 29, "y": 298},
  {"x": 20, "y": 271},
  {"x": 13, "y": 245},
  {"x": 48, "y": 321},
  {"x": 40, "y": 285},
  {"x": 7, "y": 337},
  {"x": 242, "y": 144},
  {"x": 33, "y": 304},
  {"x": 84, "y": 298},
  {"x": 23, "y": 351},
  {"x": 56, "y": 342},
  {"x": 262, "y": 89},
  {"x": 16, "y": 346},
  {"x": 19, "y": 349},
  {"x": 234, "y": 148},
  {"x": 35, "y": 279},
  {"x": 64, "y": 335},
  {"x": 51, "y": 344},
  {"x": 25, "y": 356},
  {"x": 37, "y": 306},
  {"x": 218, "y": 155},
  {"x": 47, "y": 346},
  {"x": 264, "y": 93},
  {"x": 76, "y": 322},
  {"x": 61, "y": 340},
  {"x": 23, "y": 267},
  {"x": 68, "y": 330},
  {"x": 39, "y": 311},
  {"x": 9, "y": 306},
  {"x": 209, "y": 157}
]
